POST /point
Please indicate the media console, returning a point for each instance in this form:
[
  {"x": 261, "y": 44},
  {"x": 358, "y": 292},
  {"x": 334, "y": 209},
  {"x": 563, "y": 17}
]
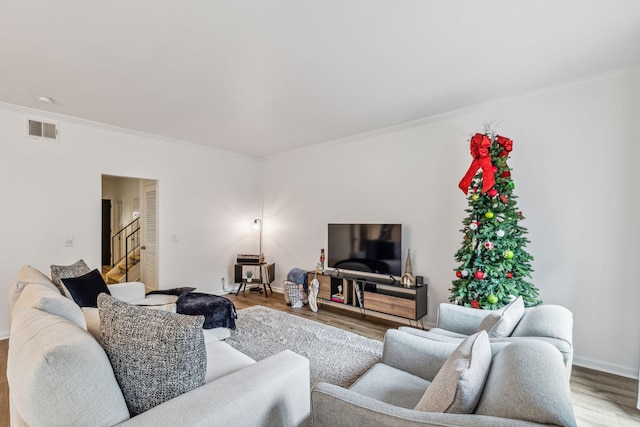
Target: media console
[{"x": 380, "y": 295}]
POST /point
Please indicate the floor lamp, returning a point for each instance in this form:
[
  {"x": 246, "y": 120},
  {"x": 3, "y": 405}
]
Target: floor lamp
[{"x": 258, "y": 223}]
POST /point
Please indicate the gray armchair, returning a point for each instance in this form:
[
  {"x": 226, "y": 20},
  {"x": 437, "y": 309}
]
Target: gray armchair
[
  {"x": 526, "y": 386},
  {"x": 550, "y": 323}
]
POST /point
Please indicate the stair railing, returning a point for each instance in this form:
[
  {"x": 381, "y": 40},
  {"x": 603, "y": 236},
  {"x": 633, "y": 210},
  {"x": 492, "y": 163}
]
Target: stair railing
[{"x": 125, "y": 242}]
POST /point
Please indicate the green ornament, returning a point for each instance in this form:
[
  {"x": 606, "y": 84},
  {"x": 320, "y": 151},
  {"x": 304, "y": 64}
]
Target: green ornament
[
  {"x": 511, "y": 184},
  {"x": 492, "y": 299},
  {"x": 475, "y": 197},
  {"x": 508, "y": 254},
  {"x": 488, "y": 215}
]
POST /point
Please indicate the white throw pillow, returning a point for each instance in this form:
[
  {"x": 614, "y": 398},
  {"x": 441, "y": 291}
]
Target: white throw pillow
[
  {"x": 44, "y": 298},
  {"x": 59, "y": 375},
  {"x": 458, "y": 385},
  {"x": 501, "y": 323}
]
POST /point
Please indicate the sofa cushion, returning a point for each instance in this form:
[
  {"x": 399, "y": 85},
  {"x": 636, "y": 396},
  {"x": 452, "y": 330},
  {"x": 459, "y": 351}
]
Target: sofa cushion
[
  {"x": 502, "y": 322},
  {"x": 85, "y": 289},
  {"x": 222, "y": 359},
  {"x": 27, "y": 274},
  {"x": 458, "y": 385},
  {"x": 48, "y": 299},
  {"x": 59, "y": 272},
  {"x": 156, "y": 355},
  {"x": 516, "y": 389},
  {"x": 390, "y": 385},
  {"x": 53, "y": 362}
]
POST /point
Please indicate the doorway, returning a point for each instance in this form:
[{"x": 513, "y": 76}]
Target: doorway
[
  {"x": 131, "y": 206},
  {"x": 106, "y": 232}
]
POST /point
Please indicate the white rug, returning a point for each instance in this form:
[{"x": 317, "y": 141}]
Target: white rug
[{"x": 335, "y": 356}]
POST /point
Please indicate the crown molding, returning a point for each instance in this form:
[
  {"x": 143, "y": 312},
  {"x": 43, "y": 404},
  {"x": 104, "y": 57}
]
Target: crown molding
[
  {"x": 62, "y": 118},
  {"x": 538, "y": 93}
]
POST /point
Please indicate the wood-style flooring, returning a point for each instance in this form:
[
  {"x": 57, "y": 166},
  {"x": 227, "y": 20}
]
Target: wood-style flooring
[{"x": 599, "y": 399}]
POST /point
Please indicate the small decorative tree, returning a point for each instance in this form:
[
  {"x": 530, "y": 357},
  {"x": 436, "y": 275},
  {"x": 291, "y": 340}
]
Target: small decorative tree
[{"x": 493, "y": 261}]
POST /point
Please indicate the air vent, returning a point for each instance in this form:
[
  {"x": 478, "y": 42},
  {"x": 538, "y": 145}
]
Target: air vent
[{"x": 45, "y": 130}]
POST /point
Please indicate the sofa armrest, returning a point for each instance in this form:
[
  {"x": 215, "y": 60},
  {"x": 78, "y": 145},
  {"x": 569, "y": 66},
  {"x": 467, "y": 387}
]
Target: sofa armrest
[
  {"x": 334, "y": 406},
  {"x": 272, "y": 392},
  {"x": 414, "y": 354},
  {"x": 551, "y": 321},
  {"x": 127, "y": 291},
  {"x": 460, "y": 319}
]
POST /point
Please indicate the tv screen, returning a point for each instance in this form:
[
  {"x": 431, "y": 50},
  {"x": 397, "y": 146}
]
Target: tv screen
[{"x": 371, "y": 248}]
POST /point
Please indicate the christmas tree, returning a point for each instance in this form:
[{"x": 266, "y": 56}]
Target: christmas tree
[{"x": 493, "y": 261}]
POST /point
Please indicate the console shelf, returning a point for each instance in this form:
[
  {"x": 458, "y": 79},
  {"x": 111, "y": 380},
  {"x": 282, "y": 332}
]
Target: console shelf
[{"x": 379, "y": 295}]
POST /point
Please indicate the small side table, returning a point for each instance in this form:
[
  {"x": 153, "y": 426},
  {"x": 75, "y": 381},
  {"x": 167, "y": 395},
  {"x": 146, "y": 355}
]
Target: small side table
[{"x": 266, "y": 273}]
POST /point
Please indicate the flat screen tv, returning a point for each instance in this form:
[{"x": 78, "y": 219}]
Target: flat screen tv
[{"x": 371, "y": 248}]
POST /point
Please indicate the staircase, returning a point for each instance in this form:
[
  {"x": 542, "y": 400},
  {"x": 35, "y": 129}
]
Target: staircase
[{"x": 125, "y": 254}]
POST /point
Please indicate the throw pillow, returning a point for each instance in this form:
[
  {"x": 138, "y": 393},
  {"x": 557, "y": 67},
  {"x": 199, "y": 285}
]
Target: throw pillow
[
  {"x": 85, "y": 289},
  {"x": 59, "y": 272},
  {"x": 43, "y": 298},
  {"x": 502, "y": 322},
  {"x": 458, "y": 385},
  {"x": 156, "y": 355},
  {"x": 59, "y": 375},
  {"x": 27, "y": 274}
]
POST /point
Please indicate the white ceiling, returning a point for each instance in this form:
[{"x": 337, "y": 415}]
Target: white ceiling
[{"x": 261, "y": 77}]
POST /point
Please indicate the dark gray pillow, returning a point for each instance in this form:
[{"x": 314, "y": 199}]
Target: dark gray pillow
[
  {"x": 85, "y": 289},
  {"x": 156, "y": 355},
  {"x": 59, "y": 272}
]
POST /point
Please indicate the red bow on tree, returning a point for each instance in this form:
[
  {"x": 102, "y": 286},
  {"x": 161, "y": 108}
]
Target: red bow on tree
[
  {"x": 507, "y": 146},
  {"x": 479, "y": 145}
]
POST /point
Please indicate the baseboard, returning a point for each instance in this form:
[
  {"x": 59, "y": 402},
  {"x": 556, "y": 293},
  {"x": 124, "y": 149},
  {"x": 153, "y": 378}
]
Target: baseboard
[
  {"x": 221, "y": 292},
  {"x": 610, "y": 368}
]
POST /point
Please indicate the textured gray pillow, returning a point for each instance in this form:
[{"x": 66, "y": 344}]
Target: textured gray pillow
[
  {"x": 458, "y": 385},
  {"x": 156, "y": 355},
  {"x": 501, "y": 323},
  {"x": 59, "y": 272}
]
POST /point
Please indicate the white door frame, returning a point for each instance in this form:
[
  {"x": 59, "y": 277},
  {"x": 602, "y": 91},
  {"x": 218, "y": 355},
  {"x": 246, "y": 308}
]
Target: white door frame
[{"x": 149, "y": 234}]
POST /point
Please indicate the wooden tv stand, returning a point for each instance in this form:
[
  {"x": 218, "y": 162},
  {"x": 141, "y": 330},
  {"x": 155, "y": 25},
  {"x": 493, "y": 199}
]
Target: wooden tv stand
[{"x": 380, "y": 295}]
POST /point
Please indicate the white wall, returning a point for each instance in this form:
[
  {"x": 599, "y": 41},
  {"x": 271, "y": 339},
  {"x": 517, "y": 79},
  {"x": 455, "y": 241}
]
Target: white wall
[
  {"x": 574, "y": 160},
  {"x": 50, "y": 190}
]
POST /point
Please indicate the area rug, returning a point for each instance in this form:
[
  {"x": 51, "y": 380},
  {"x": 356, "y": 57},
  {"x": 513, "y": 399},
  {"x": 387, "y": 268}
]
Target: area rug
[{"x": 335, "y": 356}]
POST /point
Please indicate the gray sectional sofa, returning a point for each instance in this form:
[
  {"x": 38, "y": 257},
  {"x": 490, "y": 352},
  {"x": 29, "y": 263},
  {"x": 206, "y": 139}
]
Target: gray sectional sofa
[
  {"x": 526, "y": 385},
  {"x": 549, "y": 323},
  {"x": 59, "y": 374}
]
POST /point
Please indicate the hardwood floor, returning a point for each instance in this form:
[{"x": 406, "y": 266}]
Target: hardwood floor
[{"x": 599, "y": 399}]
